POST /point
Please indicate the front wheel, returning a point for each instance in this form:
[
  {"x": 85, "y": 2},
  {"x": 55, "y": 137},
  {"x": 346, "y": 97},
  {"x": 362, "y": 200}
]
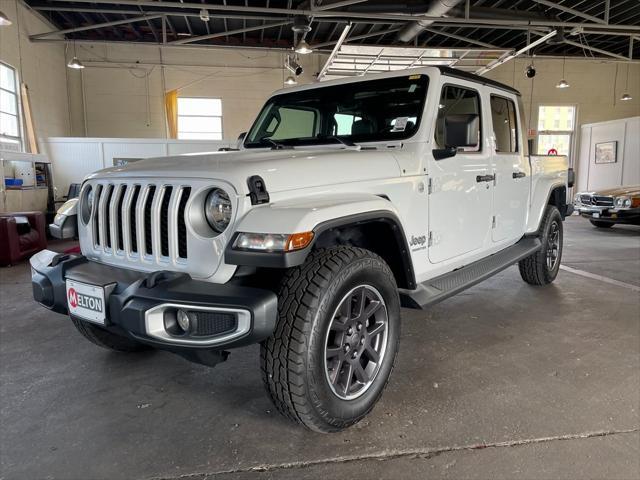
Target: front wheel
[
  {"x": 542, "y": 267},
  {"x": 336, "y": 339}
]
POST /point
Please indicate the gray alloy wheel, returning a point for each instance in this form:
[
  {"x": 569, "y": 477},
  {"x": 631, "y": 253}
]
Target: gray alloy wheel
[{"x": 356, "y": 341}]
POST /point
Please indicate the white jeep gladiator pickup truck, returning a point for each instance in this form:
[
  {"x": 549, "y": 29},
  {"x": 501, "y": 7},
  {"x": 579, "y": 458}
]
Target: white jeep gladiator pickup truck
[{"x": 345, "y": 201}]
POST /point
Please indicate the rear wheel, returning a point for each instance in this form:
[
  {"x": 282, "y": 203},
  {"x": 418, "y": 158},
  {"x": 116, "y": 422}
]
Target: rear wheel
[
  {"x": 106, "y": 339},
  {"x": 601, "y": 224},
  {"x": 335, "y": 342},
  {"x": 542, "y": 267}
]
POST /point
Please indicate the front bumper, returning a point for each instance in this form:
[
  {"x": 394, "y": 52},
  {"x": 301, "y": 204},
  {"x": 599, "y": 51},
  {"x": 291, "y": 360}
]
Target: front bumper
[
  {"x": 610, "y": 214},
  {"x": 135, "y": 302}
]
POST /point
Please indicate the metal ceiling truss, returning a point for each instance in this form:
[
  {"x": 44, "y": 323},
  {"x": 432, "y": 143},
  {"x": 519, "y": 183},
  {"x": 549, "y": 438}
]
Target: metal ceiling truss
[{"x": 603, "y": 27}]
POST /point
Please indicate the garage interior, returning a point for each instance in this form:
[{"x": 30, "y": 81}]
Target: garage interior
[{"x": 504, "y": 380}]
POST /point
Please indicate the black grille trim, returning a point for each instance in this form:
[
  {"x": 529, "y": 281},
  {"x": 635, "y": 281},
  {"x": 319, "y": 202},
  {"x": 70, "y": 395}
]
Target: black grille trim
[
  {"x": 148, "y": 204},
  {"x": 182, "y": 227}
]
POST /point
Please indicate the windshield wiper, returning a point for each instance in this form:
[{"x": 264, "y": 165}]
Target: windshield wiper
[
  {"x": 347, "y": 143},
  {"x": 275, "y": 145}
]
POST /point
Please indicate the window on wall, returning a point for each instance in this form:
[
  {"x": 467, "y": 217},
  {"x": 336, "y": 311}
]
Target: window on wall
[
  {"x": 556, "y": 127},
  {"x": 503, "y": 116},
  {"x": 9, "y": 110},
  {"x": 199, "y": 118}
]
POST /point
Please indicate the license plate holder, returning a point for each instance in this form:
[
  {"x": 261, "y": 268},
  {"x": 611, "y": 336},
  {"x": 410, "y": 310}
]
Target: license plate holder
[{"x": 86, "y": 301}]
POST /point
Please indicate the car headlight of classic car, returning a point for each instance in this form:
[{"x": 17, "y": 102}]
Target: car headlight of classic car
[{"x": 622, "y": 202}]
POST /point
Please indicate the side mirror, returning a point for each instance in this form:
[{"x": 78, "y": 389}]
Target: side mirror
[
  {"x": 462, "y": 130},
  {"x": 442, "y": 153},
  {"x": 240, "y": 140}
]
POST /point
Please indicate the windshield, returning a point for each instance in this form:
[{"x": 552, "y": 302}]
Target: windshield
[{"x": 367, "y": 111}]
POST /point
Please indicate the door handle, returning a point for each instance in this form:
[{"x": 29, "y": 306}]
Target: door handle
[
  {"x": 485, "y": 178},
  {"x": 518, "y": 174}
]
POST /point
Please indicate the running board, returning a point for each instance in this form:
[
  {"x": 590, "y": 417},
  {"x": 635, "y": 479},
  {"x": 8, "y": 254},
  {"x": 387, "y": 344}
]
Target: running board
[{"x": 442, "y": 287}]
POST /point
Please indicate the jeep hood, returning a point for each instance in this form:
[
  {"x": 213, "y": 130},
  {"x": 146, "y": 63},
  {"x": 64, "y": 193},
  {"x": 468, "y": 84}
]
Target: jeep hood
[{"x": 281, "y": 169}]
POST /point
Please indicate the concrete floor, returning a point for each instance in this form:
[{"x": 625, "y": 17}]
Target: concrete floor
[{"x": 502, "y": 381}]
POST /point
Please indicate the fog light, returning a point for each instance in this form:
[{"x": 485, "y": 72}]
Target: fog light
[{"x": 183, "y": 320}]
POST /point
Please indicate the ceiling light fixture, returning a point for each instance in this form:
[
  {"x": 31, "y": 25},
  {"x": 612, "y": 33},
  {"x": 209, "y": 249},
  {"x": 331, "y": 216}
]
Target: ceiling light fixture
[
  {"x": 303, "y": 47},
  {"x": 204, "y": 15},
  {"x": 290, "y": 80},
  {"x": 75, "y": 63},
  {"x": 563, "y": 83},
  {"x": 4, "y": 20}
]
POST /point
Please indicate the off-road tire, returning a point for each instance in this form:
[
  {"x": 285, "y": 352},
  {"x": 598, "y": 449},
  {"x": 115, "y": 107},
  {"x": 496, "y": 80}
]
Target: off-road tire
[
  {"x": 535, "y": 269},
  {"x": 601, "y": 224},
  {"x": 293, "y": 358},
  {"x": 106, "y": 339}
]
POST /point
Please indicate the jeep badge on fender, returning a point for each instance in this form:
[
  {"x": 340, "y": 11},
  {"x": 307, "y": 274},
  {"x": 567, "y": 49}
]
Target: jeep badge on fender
[{"x": 309, "y": 236}]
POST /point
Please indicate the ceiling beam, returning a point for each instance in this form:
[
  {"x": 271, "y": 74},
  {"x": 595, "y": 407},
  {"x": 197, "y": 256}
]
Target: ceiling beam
[
  {"x": 397, "y": 17},
  {"x": 572, "y": 11},
  {"x": 329, "y": 6},
  {"x": 94, "y": 26},
  {"x": 587, "y": 47},
  {"x": 359, "y": 37},
  {"x": 459, "y": 37},
  {"x": 228, "y": 33}
]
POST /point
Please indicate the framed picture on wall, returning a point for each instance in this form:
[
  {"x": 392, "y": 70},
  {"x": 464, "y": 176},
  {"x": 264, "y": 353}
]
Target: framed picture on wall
[{"x": 607, "y": 152}]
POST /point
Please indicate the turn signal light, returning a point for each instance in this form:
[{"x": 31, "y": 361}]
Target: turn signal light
[{"x": 298, "y": 241}]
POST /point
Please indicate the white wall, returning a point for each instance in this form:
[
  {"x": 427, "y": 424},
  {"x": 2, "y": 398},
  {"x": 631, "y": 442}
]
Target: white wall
[
  {"x": 41, "y": 66},
  {"x": 123, "y": 85},
  {"x": 626, "y": 170},
  {"x": 594, "y": 90},
  {"x": 74, "y": 158}
]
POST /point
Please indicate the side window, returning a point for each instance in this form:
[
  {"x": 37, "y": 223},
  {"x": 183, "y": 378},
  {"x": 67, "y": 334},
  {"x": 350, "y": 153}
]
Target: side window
[
  {"x": 293, "y": 123},
  {"x": 459, "y": 112},
  {"x": 505, "y": 129}
]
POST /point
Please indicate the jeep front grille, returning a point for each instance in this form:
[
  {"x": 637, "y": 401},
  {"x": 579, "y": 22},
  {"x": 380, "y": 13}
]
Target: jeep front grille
[{"x": 135, "y": 220}]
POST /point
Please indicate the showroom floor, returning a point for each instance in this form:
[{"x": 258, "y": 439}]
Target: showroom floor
[{"x": 502, "y": 381}]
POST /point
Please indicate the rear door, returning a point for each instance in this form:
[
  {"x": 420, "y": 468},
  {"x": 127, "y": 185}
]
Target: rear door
[
  {"x": 511, "y": 169},
  {"x": 460, "y": 198}
]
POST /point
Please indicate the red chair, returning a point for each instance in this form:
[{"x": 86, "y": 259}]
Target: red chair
[{"x": 21, "y": 235}]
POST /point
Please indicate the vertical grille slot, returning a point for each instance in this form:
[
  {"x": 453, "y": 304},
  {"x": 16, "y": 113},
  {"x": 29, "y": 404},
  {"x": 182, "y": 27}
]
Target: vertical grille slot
[
  {"x": 96, "y": 214},
  {"x": 182, "y": 227},
  {"x": 132, "y": 216},
  {"x": 122, "y": 190},
  {"x": 164, "y": 221},
  {"x": 107, "y": 215},
  {"x": 148, "y": 247}
]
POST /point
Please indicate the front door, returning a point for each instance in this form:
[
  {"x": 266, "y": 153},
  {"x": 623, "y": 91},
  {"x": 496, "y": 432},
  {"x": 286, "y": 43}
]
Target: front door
[
  {"x": 461, "y": 185},
  {"x": 511, "y": 169}
]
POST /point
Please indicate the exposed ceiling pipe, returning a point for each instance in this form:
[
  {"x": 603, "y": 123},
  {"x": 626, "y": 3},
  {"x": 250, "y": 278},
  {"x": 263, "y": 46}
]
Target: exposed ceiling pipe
[{"x": 438, "y": 8}]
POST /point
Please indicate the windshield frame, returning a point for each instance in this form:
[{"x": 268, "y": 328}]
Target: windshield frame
[{"x": 423, "y": 78}]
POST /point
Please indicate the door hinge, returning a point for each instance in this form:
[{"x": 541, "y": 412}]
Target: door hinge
[
  {"x": 430, "y": 186},
  {"x": 430, "y": 240},
  {"x": 493, "y": 222}
]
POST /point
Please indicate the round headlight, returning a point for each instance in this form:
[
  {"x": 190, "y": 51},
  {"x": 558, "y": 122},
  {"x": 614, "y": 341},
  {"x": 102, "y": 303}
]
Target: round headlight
[
  {"x": 619, "y": 202},
  {"x": 627, "y": 203},
  {"x": 217, "y": 209}
]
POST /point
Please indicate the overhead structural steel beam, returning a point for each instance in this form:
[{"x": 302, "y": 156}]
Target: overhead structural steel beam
[
  {"x": 587, "y": 47},
  {"x": 95, "y": 26},
  {"x": 572, "y": 11},
  {"x": 459, "y": 37},
  {"x": 334, "y": 52},
  {"x": 229, "y": 32},
  {"x": 329, "y": 6},
  {"x": 364, "y": 36},
  {"x": 394, "y": 17},
  {"x": 510, "y": 56}
]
